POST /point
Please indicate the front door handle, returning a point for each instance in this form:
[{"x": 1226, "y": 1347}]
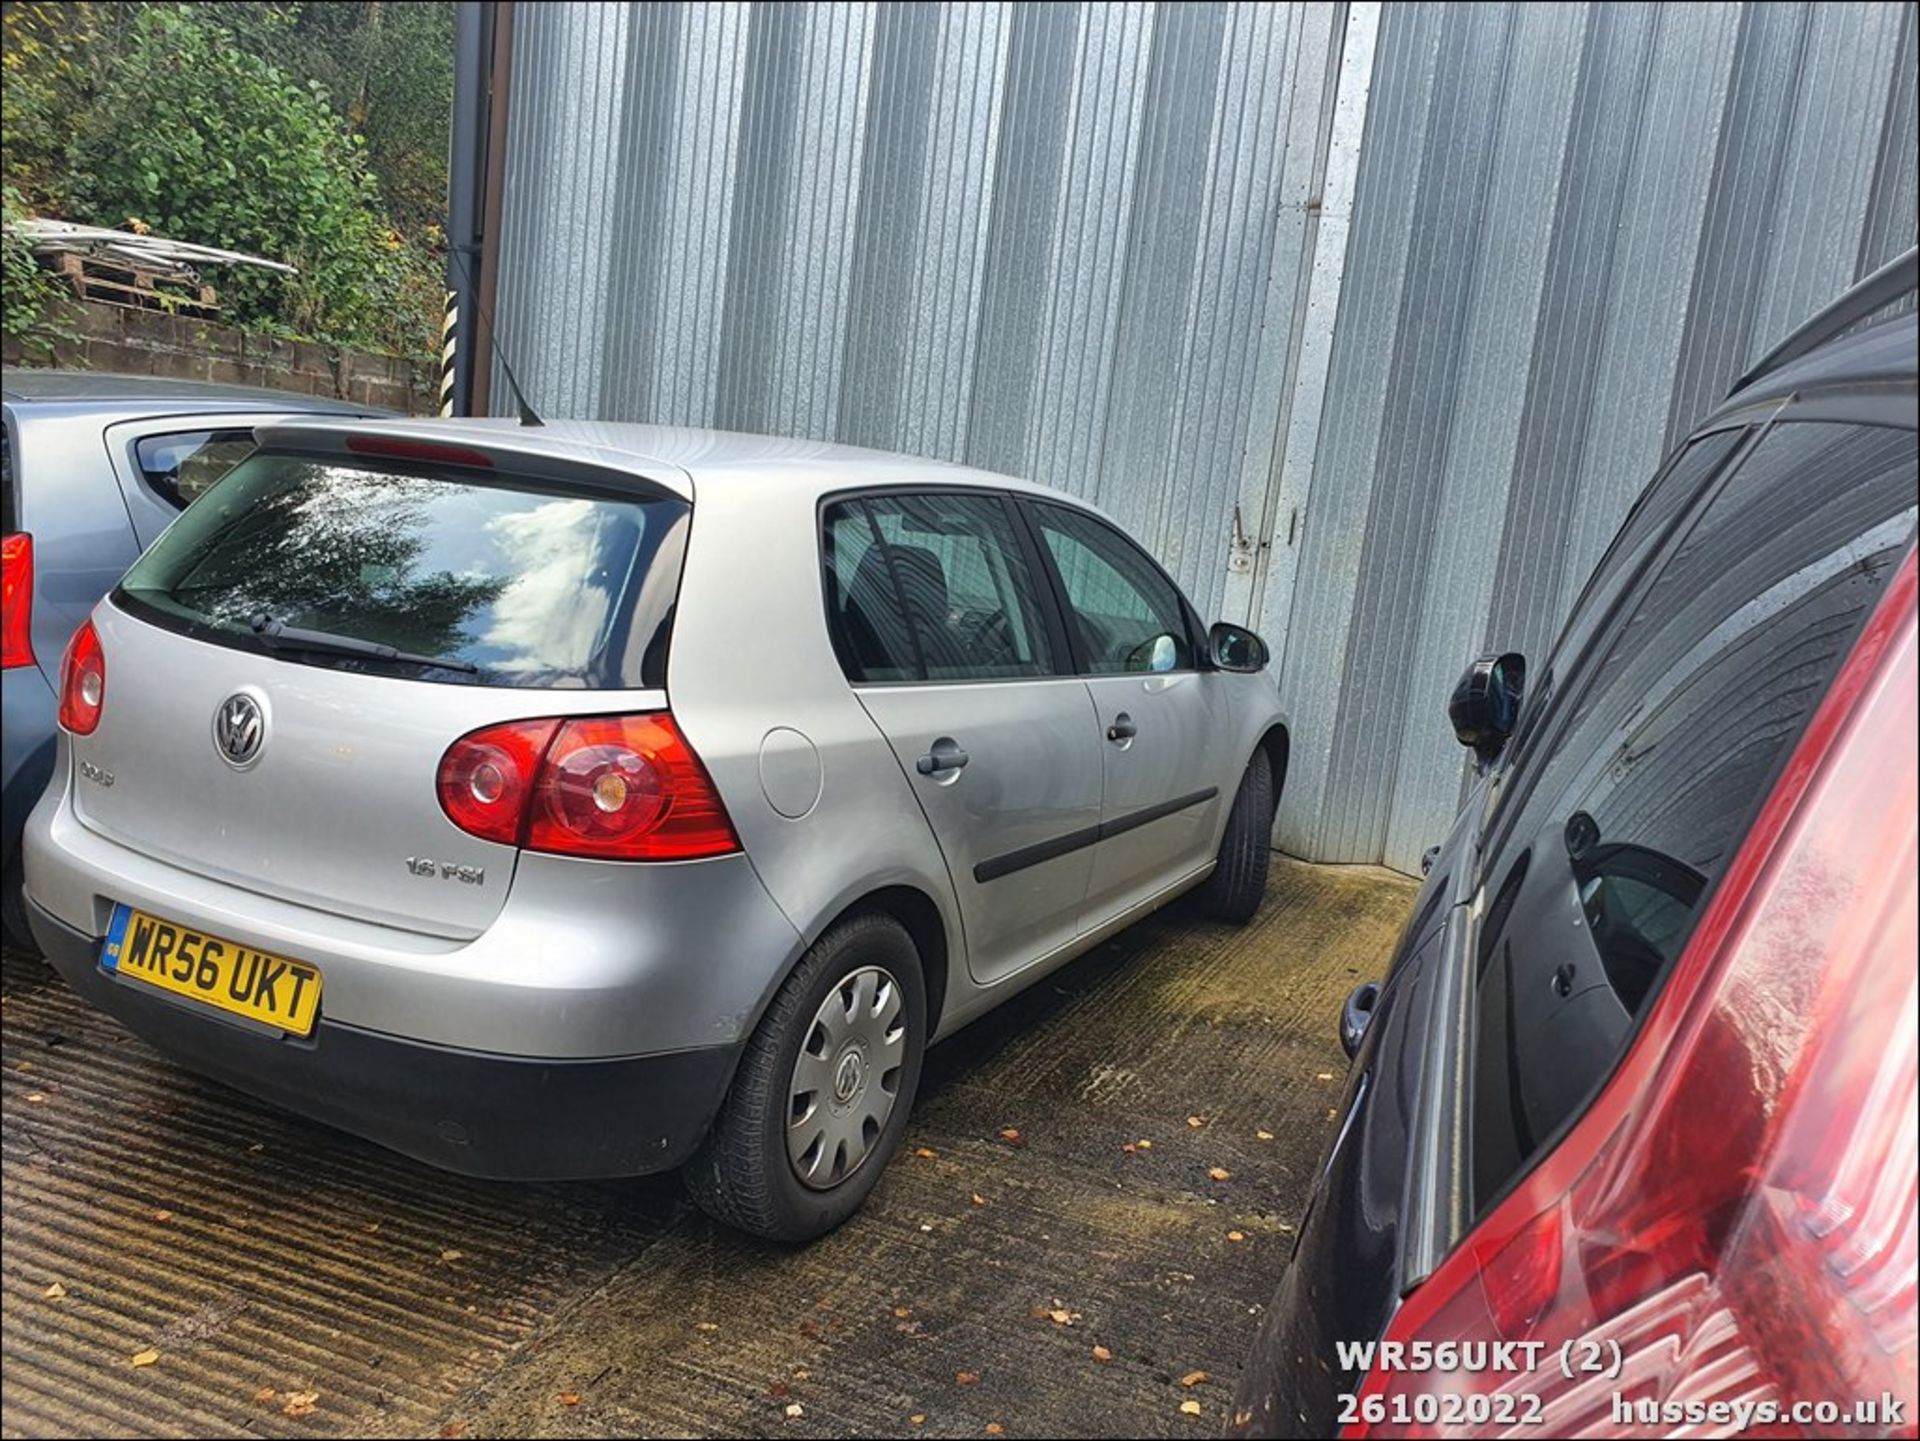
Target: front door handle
[
  {"x": 1123, "y": 728},
  {"x": 943, "y": 755}
]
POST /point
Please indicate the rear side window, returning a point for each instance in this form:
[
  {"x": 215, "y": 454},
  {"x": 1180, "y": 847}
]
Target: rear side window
[
  {"x": 508, "y": 581},
  {"x": 180, "y": 466},
  {"x": 932, "y": 587},
  {"x": 1643, "y": 790}
]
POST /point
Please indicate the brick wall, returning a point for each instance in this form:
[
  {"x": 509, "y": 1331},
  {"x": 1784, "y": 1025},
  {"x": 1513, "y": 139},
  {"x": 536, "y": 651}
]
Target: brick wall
[{"x": 150, "y": 342}]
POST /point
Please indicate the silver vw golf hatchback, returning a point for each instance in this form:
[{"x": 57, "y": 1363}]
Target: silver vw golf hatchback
[{"x": 590, "y": 800}]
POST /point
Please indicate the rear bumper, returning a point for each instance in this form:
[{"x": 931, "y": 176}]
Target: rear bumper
[
  {"x": 27, "y": 743},
  {"x": 500, "y": 1117}
]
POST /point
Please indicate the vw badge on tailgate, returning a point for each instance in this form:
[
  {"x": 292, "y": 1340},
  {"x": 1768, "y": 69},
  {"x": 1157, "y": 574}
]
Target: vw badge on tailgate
[{"x": 239, "y": 726}]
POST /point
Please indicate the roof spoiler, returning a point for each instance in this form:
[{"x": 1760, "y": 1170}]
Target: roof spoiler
[{"x": 1898, "y": 277}]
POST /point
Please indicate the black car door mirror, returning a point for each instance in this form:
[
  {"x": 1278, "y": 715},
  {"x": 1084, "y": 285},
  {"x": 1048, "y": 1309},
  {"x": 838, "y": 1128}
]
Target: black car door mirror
[
  {"x": 1234, "y": 647},
  {"x": 1486, "y": 703}
]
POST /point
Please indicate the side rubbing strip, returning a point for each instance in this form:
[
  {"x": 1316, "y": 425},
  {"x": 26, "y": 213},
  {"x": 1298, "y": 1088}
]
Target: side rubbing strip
[{"x": 995, "y": 867}]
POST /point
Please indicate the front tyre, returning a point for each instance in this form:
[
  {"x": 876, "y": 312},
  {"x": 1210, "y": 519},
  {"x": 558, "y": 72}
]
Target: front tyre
[
  {"x": 1239, "y": 880},
  {"x": 821, "y": 1098}
]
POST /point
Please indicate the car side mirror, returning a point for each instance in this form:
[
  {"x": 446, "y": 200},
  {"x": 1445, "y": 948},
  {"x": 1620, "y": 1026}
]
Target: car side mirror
[
  {"x": 1234, "y": 647},
  {"x": 1486, "y": 703}
]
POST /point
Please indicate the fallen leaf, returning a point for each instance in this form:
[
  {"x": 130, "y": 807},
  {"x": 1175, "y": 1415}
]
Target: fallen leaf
[
  {"x": 800, "y": 1373},
  {"x": 966, "y": 1378},
  {"x": 1060, "y": 1318},
  {"x": 918, "y": 1418},
  {"x": 1220, "y": 1173},
  {"x": 1144, "y": 1145},
  {"x": 1263, "y": 1135},
  {"x": 264, "y": 1395},
  {"x": 978, "y": 1199},
  {"x": 451, "y": 1255},
  {"x": 34, "y": 1098},
  {"x": 146, "y": 1357},
  {"x": 795, "y": 1410},
  {"x": 54, "y": 1292},
  {"x": 1324, "y": 1076},
  {"x": 1192, "y": 1379},
  {"x": 1101, "y": 1353},
  {"x": 300, "y": 1403},
  {"x": 163, "y": 1216},
  {"x": 569, "y": 1398},
  {"x": 1189, "y": 1408},
  {"x": 902, "y": 1312},
  {"x": 1129, "y": 1148},
  {"x": 705, "y": 1326},
  {"x": 1196, "y": 1121},
  {"x": 371, "y": 1227},
  {"x": 1010, "y": 1135},
  {"x": 779, "y": 1390},
  {"x": 926, "y": 1153},
  {"x": 24, "y": 1066},
  {"x": 994, "y": 1428},
  {"x": 454, "y": 1430},
  {"x": 1236, "y": 1235}
]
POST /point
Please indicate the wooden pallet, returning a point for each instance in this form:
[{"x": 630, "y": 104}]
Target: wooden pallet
[{"x": 114, "y": 282}]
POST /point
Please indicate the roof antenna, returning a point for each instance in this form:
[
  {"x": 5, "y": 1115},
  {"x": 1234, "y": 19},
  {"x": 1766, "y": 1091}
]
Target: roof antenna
[{"x": 527, "y": 416}]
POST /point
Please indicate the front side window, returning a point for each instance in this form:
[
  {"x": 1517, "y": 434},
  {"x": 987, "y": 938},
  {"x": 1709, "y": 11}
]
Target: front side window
[
  {"x": 180, "y": 466},
  {"x": 1128, "y": 613},
  {"x": 483, "y": 578},
  {"x": 1643, "y": 789},
  {"x": 932, "y": 587}
]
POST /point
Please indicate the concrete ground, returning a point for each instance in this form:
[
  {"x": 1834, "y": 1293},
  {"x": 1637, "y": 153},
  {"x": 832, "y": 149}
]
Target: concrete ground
[{"x": 1094, "y": 1203}]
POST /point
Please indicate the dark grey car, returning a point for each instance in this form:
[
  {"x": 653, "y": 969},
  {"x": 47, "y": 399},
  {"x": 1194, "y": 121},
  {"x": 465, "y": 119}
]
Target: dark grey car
[{"x": 95, "y": 467}]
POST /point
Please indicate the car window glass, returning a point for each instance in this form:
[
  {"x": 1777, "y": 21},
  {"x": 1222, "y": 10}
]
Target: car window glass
[
  {"x": 1128, "y": 613},
  {"x": 1637, "y": 802},
  {"x": 1647, "y": 524},
  {"x": 939, "y": 589},
  {"x": 180, "y": 466},
  {"x": 511, "y": 580},
  {"x": 870, "y": 633}
]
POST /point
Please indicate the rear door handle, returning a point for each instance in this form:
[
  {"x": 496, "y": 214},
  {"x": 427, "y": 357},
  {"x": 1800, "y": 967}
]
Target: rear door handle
[
  {"x": 943, "y": 755},
  {"x": 1123, "y": 728}
]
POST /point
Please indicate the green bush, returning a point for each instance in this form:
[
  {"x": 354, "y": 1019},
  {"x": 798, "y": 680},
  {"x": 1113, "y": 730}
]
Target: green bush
[
  {"x": 193, "y": 134},
  {"x": 30, "y": 292}
]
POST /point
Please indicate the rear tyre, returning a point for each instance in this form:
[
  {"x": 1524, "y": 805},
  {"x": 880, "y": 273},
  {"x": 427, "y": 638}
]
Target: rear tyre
[
  {"x": 820, "y": 1101},
  {"x": 1239, "y": 880}
]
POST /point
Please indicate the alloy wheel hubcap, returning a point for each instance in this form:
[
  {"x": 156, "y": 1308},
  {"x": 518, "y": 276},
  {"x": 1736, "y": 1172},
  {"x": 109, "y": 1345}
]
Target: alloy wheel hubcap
[{"x": 846, "y": 1078}]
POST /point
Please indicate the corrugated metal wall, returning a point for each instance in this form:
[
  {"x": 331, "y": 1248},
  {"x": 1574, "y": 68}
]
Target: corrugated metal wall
[
  {"x": 1064, "y": 241},
  {"x": 1574, "y": 226},
  {"x": 1078, "y": 243}
]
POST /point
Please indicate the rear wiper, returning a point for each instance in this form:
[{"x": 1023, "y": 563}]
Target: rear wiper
[{"x": 292, "y": 637}]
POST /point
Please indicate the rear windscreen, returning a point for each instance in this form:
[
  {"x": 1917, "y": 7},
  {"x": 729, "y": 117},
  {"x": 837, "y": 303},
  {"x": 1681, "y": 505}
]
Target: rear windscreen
[{"x": 511, "y": 582}]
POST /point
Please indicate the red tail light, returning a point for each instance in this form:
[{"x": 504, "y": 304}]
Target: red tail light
[
  {"x": 615, "y": 787},
  {"x": 16, "y": 601},
  {"x": 1727, "y": 1239},
  {"x": 83, "y": 682}
]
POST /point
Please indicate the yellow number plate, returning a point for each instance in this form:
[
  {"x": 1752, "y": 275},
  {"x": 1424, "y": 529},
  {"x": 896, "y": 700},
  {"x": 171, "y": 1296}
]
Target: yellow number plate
[{"x": 221, "y": 973}]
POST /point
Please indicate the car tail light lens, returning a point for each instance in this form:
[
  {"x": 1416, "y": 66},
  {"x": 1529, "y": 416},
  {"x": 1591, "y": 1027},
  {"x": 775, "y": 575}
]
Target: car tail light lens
[
  {"x": 614, "y": 787},
  {"x": 487, "y": 777},
  {"x": 83, "y": 682},
  {"x": 16, "y": 601},
  {"x": 1727, "y": 1239}
]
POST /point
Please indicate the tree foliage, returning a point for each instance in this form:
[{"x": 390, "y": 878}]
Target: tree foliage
[{"x": 310, "y": 133}]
